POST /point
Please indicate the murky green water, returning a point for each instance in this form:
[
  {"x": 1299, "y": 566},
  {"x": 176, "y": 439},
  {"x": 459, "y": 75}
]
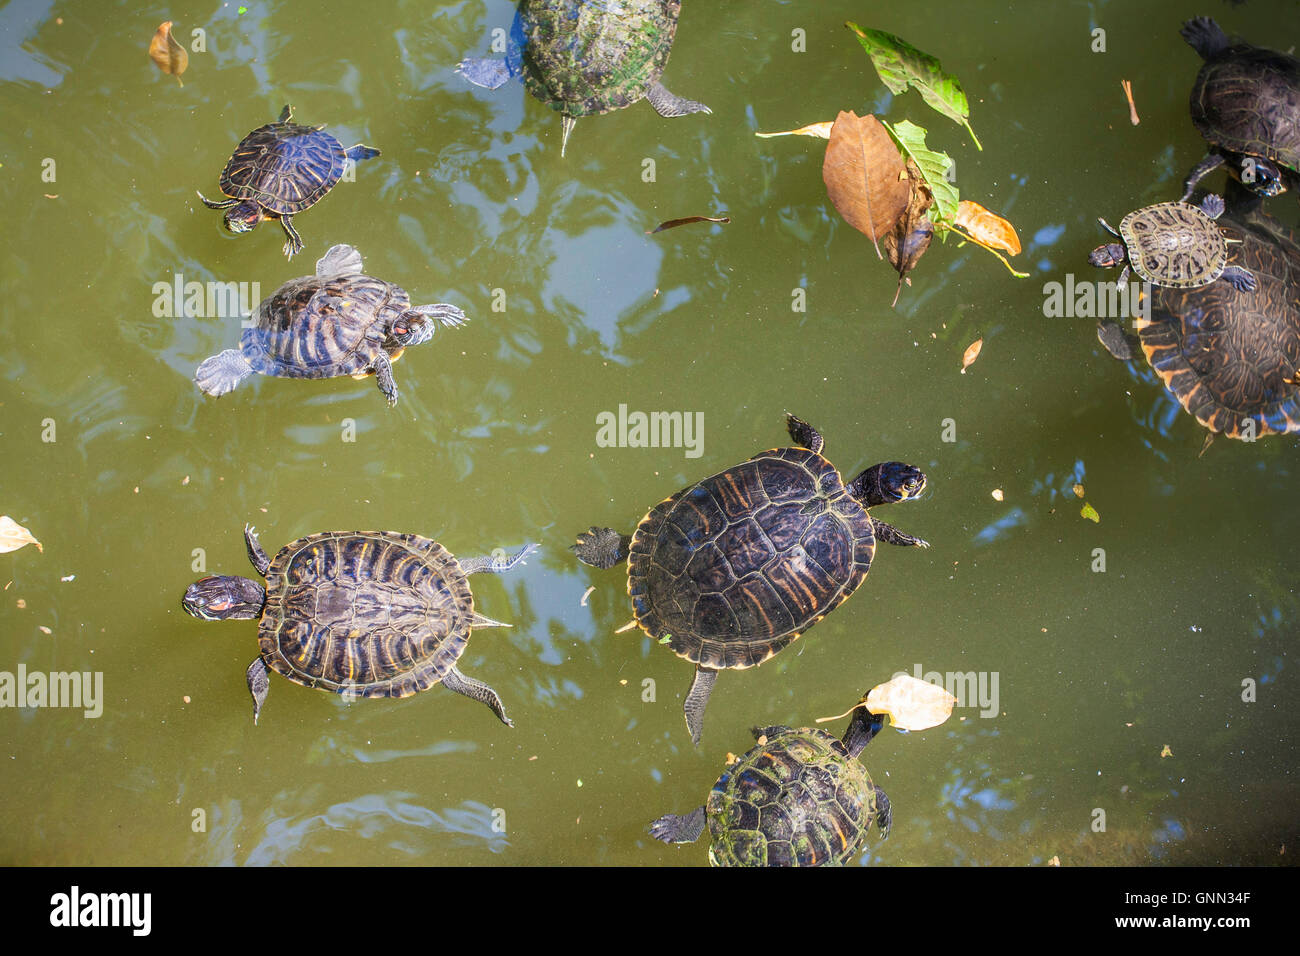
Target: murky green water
[{"x": 494, "y": 442}]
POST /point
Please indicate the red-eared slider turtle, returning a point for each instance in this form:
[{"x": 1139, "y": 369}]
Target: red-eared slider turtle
[
  {"x": 359, "y": 613},
  {"x": 336, "y": 322},
  {"x": 1232, "y": 359},
  {"x": 1172, "y": 244},
  {"x": 585, "y": 57},
  {"x": 732, "y": 569},
  {"x": 1246, "y": 104},
  {"x": 277, "y": 171}
]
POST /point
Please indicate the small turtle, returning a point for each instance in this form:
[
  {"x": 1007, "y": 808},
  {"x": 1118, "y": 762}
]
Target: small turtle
[
  {"x": 336, "y": 322},
  {"x": 277, "y": 171},
  {"x": 734, "y": 568},
  {"x": 1232, "y": 359},
  {"x": 359, "y": 613},
  {"x": 586, "y": 57},
  {"x": 1246, "y": 104},
  {"x": 1172, "y": 244}
]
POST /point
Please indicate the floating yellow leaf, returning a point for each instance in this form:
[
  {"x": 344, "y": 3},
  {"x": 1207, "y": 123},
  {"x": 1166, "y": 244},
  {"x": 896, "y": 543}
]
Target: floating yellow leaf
[
  {"x": 1078, "y": 491},
  {"x": 1089, "y": 512},
  {"x": 14, "y": 536},
  {"x": 971, "y": 354},
  {"x": 168, "y": 55},
  {"x": 986, "y": 228},
  {"x": 1166, "y": 752},
  {"x": 910, "y": 703},
  {"x": 821, "y": 130},
  {"x": 997, "y": 494}
]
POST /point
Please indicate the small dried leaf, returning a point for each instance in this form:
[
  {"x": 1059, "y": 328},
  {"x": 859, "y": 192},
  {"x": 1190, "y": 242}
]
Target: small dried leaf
[
  {"x": 14, "y": 536},
  {"x": 43, "y": 629},
  {"x": 1089, "y": 512},
  {"x": 865, "y": 176},
  {"x": 912, "y": 234},
  {"x": 1166, "y": 752},
  {"x": 1078, "y": 491},
  {"x": 1054, "y": 861},
  {"x": 971, "y": 354},
  {"x": 911, "y": 703},
  {"x": 586, "y": 594},
  {"x": 997, "y": 494},
  {"x": 822, "y": 130},
  {"x": 674, "y": 223},
  {"x": 986, "y": 228},
  {"x": 168, "y": 55}
]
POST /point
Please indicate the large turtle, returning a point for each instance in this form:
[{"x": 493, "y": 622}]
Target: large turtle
[
  {"x": 359, "y": 613},
  {"x": 1246, "y": 104},
  {"x": 277, "y": 171},
  {"x": 336, "y": 322},
  {"x": 585, "y": 57},
  {"x": 735, "y": 567},
  {"x": 1172, "y": 244},
  {"x": 1231, "y": 358}
]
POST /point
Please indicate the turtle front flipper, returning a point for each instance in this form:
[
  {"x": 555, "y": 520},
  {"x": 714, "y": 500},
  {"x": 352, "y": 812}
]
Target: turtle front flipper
[
  {"x": 384, "y": 377},
  {"x": 497, "y": 562},
  {"x": 1240, "y": 279},
  {"x": 220, "y": 373},
  {"x": 884, "y": 816},
  {"x": 1202, "y": 169},
  {"x": 446, "y": 315},
  {"x": 679, "y": 828},
  {"x": 476, "y": 690},
  {"x": 217, "y": 204},
  {"x": 1116, "y": 341},
  {"x": 259, "y": 683},
  {"x": 602, "y": 547},
  {"x": 697, "y": 698},
  {"x": 671, "y": 105},
  {"x": 293, "y": 243},
  {"x": 255, "y": 553},
  {"x": 890, "y": 535},
  {"x": 360, "y": 152},
  {"x": 491, "y": 73}
]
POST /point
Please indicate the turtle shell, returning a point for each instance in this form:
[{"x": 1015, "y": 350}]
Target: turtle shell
[
  {"x": 323, "y": 326},
  {"x": 1174, "y": 244},
  {"x": 365, "y": 613},
  {"x": 285, "y": 167},
  {"x": 798, "y": 799},
  {"x": 733, "y": 568},
  {"x": 584, "y": 57},
  {"x": 1232, "y": 357},
  {"x": 1247, "y": 100}
]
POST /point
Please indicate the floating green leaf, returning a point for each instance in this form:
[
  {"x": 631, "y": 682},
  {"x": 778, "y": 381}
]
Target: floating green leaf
[
  {"x": 1090, "y": 512},
  {"x": 934, "y": 168},
  {"x": 901, "y": 65},
  {"x": 665, "y": 639}
]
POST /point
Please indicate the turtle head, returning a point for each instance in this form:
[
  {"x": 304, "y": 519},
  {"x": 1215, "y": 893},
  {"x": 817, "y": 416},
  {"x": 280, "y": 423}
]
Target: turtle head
[
  {"x": 220, "y": 597},
  {"x": 244, "y": 216},
  {"x": 412, "y": 328},
  {"x": 1108, "y": 256},
  {"x": 1261, "y": 176},
  {"x": 886, "y": 483}
]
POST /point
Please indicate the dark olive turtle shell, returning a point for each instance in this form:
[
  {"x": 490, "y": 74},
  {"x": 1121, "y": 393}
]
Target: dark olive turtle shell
[
  {"x": 1247, "y": 100},
  {"x": 584, "y": 57},
  {"x": 366, "y": 613},
  {"x": 798, "y": 799},
  {"x": 323, "y": 326},
  {"x": 285, "y": 167},
  {"x": 733, "y": 568},
  {"x": 1232, "y": 357},
  {"x": 1174, "y": 244}
]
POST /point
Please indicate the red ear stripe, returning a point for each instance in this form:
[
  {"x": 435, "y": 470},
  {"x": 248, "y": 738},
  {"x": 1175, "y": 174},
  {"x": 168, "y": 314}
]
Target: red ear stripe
[
  {"x": 399, "y": 330},
  {"x": 220, "y": 606}
]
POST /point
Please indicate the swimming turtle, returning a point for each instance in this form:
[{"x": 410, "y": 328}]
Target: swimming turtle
[
  {"x": 277, "y": 171},
  {"x": 336, "y": 322},
  {"x": 1246, "y": 104},
  {"x": 801, "y": 798},
  {"x": 586, "y": 57},
  {"x": 733, "y": 568},
  {"x": 359, "y": 613},
  {"x": 1172, "y": 244},
  {"x": 1231, "y": 358}
]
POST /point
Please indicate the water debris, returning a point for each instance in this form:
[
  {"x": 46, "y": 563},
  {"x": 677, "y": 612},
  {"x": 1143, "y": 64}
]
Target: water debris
[
  {"x": 1078, "y": 491},
  {"x": 997, "y": 494},
  {"x": 674, "y": 223},
  {"x": 821, "y": 130},
  {"x": 43, "y": 629},
  {"x": 1054, "y": 861},
  {"x": 14, "y": 536},
  {"x": 167, "y": 54},
  {"x": 1132, "y": 109},
  {"x": 1165, "y": 752},
  {"x": 186, "y": 698},
  {"x": 68, "y": 577},
  {"x": 971, "y": 354},
  {"x": 586, "y": 594},
  {"x": 626, "y": 627},
  {"x": 1089, "y": 512}
]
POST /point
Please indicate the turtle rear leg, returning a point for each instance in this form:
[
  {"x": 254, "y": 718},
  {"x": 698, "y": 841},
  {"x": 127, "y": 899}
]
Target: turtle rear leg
[
  {"x": 884, "y": 816},
  {"x": 255, "y": 553},
  {"x": 675, "y": 828},
  {"x": 1116, "y": 341},
  {"x": 220, "y": 373},
  {"x": 697, "y": 698},
  {"x": 221, "y": 204},
  {"x": 602, "y": 547},
  {"x": 804, "y": 435},
  {"x": 1202, "y": 169},
  {"x": 384, "y": 378},
  {"x": 890, "y": 535},
  {"x": 293, "y": 243},
  {"x": 670, "y": 104},
  {"x": 259, "y": 682},
  {"x": 497, "y": 562},
  {"x": 476, "y": 690},
  {"x": 1240, "y": 279}
]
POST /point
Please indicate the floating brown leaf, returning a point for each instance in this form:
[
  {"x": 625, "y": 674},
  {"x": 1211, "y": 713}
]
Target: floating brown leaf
[
  {"x": 168, "y": 55},
  {"x": 865, "y": 176},
  {"x": 971, "y": 354},
  {"x": 14, "y": 536},
  {"x": 674, "y": 223},
  {"x": 986, "y": 228},
  {"x": 911, "y": 235}
]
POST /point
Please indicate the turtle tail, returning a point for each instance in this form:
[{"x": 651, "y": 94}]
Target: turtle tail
[
  {"x": 222, "y": 372},
  {"x": 1205, "y": 37}
]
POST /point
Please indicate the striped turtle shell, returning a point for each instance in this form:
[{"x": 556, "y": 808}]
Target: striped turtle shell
[
  {"x": 734, "y": 568},
  {"x": 366, "y": 613},
  {"x": 322, "y": 326},
  {"x": 584, "y": 57},
  {"x": 284, "y": 166},
  {"x": 1232, "y": 358},
  {"x": 798, "y": 799},
  {"x": 1174, "y": 244}
]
